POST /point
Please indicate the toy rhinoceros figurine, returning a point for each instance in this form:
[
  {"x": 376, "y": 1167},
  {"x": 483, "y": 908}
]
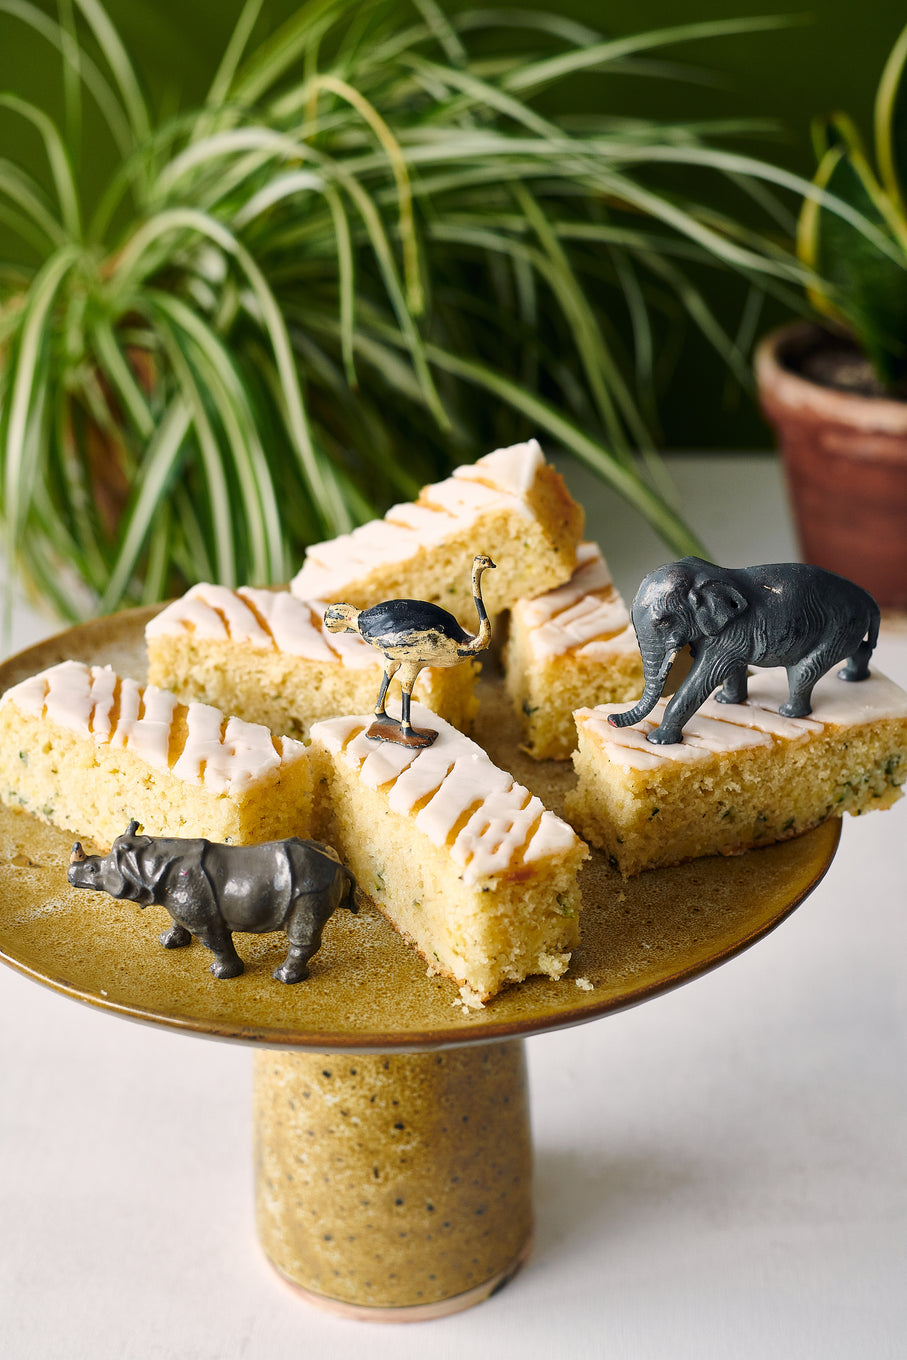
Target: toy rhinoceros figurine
[{"x": 211, "y": 890}]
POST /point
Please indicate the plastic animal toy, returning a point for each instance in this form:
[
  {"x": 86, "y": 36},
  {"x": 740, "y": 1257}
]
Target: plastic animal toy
[
  {"x": 211, "y": 890},
  {"x": 412, "y": 634},
  {"x": 786, "y": 614}
]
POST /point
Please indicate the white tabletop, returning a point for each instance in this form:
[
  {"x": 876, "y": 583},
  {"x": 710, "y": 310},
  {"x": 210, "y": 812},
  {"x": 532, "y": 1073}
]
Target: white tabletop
[{"x": 721, "y": 1173}]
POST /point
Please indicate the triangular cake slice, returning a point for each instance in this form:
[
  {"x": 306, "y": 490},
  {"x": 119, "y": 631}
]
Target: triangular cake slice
[
  {"x": 510, "y": 505},
  {"x": 464, "y": 861},
  {"x": 572, "y": 647},
  {"x": 743, "y": 776},
  {"x": 267, "y": 656},
  {"x": 89, "y": 751}
]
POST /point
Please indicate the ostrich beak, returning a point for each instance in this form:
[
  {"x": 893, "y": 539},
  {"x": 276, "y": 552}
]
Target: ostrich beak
[{"x": 78, "y": 854}]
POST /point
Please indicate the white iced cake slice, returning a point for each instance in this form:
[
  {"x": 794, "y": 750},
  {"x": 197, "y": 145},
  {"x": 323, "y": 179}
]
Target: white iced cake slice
[
  {"x": 743, "y": 775},
  {"x": 89, "y": 751},
  {"x": 267, "y": 656},
  {"x": 466, "y": 863},
  {"x": 510, "y": 505},
  {"x": 572, "y": 647}
]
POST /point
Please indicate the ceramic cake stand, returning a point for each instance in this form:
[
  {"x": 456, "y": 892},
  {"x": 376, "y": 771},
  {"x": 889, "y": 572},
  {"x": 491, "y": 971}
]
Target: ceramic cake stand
[{"x": 392, "y": 1142}]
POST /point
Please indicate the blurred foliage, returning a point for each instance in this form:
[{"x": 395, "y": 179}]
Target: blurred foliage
[
  {"x": 863, "y": 285},
  {"x": 374, "y": 247}
]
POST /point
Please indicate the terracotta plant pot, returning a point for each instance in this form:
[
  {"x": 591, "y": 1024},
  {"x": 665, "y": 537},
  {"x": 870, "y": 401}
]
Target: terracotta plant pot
[{"x": 845, "y": 459}]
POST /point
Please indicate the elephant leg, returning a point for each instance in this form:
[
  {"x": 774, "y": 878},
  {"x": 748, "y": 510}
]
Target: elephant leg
[
  {"x": 390, "y": 670},
  {"x": 304, "y": 939},
  {"x": 802, "y": 679},
  {"x": 177, "y": 937},
  {"x": 734, "y": 689},
  {"x": 227, "y": 963},
  {"x": 857, "y": 667},
  {"x": 690, "y": 695}
]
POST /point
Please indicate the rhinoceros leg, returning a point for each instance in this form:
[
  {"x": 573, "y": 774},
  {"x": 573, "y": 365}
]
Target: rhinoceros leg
[
  {"x": 304, "y": 928},
  {"x": 295, "y": 966},
  {"x": 227, "y": 963},
  {"x": 176, "y": 937}
]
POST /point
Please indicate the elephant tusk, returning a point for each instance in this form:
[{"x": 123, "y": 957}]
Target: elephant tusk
[{"x": 78, "y": 854}]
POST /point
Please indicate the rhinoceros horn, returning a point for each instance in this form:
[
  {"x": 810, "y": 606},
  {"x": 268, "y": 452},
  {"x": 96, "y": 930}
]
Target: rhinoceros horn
[{"x": 78, "y": 854}]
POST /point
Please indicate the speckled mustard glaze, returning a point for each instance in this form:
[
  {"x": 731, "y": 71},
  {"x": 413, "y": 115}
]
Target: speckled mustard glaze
[{"x": 393, "y": 1181}]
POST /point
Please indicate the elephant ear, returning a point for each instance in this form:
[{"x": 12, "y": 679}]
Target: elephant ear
[{"x": 713, "y": 604}]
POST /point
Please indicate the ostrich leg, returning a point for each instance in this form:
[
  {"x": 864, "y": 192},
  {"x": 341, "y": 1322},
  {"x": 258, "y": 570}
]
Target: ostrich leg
[
  {"x": 385, "y": 728},
  {"x": 390, "y": 670}
]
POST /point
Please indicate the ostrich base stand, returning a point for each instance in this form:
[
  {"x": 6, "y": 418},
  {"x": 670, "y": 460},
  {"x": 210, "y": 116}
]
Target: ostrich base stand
[{"x": 386, "y": 728}]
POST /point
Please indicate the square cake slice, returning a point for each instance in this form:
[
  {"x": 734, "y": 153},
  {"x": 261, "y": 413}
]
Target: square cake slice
[
  {"x": 743, "y": 776},
  {"x": 510, "y": 505},
  {"x": 574, "y": 646},
  {"x": 88, "y": 751},
  {"x": 466, "y": 863},
  {"x": 267, "y": 656}
]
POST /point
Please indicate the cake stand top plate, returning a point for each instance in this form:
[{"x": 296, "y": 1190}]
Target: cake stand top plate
[{"x": 368, "y": 991}]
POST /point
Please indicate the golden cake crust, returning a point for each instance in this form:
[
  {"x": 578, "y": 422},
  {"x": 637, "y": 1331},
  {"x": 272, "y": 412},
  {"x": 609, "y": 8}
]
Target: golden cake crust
[
  {"x": 743, "y": 776},
  {"x": 268, "y": 657},
  {"x": 572, "y": 647},
  {"x": 464, "y": 861},
  {"x": 510, "y": 505},
  {"x": 88, "y": 750}
]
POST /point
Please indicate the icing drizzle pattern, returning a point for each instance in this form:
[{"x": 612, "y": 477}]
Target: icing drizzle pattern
[
  {"x": 266, "y": 620},
  {"x": 456, "y": 795},
  {"x": 194, "y": 742},
  {"x": 581, "y": 615},
  {"x": 719, "y": 729},
  {"x": 443, "y": 510}
]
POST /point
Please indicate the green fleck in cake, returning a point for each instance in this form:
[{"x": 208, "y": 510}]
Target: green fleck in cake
[
  {"x": 268, "y": 657},
  {"x": 88, "y": 751},
  {"x": 574, "y": 646},
  {"x": 466, "y": 863},
  {"x": 743, "y": 776},
  {"x": 510, "y": 505}
]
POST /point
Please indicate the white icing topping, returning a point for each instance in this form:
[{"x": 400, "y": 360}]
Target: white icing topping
[
  {"x": 444, "y": 510},
  {"x": 449, "y": 781},
  {"x": 147, "y": 733},
  {"x": 225, "y": 756},
  {"x": 513, "y": 469},
  {"x": 579, "y": 616},
  {"x": 719, "y": 729},
  {"x": 266, "y": 620}
]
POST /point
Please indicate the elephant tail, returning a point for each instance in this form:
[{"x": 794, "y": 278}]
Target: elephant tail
[{"x": 875, "y": 620}]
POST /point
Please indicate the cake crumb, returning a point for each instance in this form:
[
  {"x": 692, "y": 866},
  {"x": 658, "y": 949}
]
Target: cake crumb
[
  {"x": 469, "y": 1000},
  {"x": 553, "y": 965},
  {"x": 584, "y": 984}
]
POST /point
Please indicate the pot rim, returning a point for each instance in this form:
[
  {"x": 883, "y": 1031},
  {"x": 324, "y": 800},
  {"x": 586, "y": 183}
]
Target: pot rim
[{"x": 780, "y": 388}]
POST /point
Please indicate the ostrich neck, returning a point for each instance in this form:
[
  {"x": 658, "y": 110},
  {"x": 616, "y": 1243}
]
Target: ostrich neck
[{"x": 482, "y": 638}]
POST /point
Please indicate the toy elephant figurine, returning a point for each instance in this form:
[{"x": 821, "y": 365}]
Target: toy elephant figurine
[
  {"x": 787, "y": 614},
  {"x": 210, "y": 890}
]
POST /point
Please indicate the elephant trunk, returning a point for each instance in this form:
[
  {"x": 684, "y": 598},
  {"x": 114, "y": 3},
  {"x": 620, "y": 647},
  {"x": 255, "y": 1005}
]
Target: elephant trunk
[{"x": 655, "y": 671}]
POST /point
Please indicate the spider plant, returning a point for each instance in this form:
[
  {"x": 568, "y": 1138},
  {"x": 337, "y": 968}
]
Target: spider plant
[
  {"x": 860, "y": 288},
  {"x": 366, "y": 256}
]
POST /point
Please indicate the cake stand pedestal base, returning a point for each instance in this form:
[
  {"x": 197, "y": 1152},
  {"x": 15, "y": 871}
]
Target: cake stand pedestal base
[{"x": 394, "y": 1187}]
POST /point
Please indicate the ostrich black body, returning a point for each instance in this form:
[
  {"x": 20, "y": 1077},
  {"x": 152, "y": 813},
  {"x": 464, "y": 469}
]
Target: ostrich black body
[
  {"x": 412, "y": 634},
  {"x": 393, "y": 623}
]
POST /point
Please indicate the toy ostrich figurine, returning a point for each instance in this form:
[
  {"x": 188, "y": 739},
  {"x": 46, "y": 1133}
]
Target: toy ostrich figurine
[{"x": 412, "y": 634}]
